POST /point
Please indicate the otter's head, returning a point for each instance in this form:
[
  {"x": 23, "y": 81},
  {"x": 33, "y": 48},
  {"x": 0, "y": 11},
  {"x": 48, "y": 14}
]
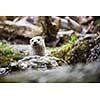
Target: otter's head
[{"x": 37, "y": 42}]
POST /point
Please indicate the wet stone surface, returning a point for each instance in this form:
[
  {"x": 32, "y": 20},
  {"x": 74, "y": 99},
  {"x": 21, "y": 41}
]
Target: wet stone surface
[{"x": 37, "y": 62}]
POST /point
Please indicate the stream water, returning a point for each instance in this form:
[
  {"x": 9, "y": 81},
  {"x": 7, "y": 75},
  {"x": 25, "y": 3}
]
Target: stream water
[{"x": 76, "y": 73}]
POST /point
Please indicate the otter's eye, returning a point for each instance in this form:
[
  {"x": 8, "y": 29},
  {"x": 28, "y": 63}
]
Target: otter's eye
[
  {"x": 32, "y": 40},
  {"x": 38, "y": 39}
]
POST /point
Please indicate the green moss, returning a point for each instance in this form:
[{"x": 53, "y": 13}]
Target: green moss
[
  {"x": 5, "y": 49},
  {"x": 67, "y": 55},
  {"x": 5, "y": 60},
  {"x": 73, "y": 38},
  {"x": 8, "y": 50},
  {"x": 97, "y": 21},
  {"x": 7, "y": 55},
  {"x": 61, "y": 51}
]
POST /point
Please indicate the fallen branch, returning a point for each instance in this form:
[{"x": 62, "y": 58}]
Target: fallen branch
[{"x": 8, "y": 28}]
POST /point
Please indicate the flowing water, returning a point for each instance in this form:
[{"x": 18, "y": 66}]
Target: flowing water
[{"x": 76, "y": 73}]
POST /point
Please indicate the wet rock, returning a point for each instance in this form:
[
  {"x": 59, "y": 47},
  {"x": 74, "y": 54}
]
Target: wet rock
[
  {"x": 38, "y": 62},
  {"x": 95, "y": 54},
  {"x": 4, "y": 71},
  {"x": 22, "y": 49}
]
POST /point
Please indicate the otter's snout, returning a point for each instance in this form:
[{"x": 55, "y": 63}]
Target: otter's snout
[{"x": 35, "y": 43}]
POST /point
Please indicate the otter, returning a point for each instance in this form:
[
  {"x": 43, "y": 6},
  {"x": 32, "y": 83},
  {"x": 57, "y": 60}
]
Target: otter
[{"x": 37, "y": 46}]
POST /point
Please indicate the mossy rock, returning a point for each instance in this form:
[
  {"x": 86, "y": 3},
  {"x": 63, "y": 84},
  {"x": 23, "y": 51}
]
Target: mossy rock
[
  {"x": 7, "y": 55},
  {"x": 6, "y": 60},
  {"x": 79, "y": 53},
  {"x": 61, "y": 51},
  {"x": 76, "y": 53},
  {"x": 5, "y": 49}
]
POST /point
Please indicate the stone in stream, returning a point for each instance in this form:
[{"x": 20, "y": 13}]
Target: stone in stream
[{"x": 37, "y": 62}]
